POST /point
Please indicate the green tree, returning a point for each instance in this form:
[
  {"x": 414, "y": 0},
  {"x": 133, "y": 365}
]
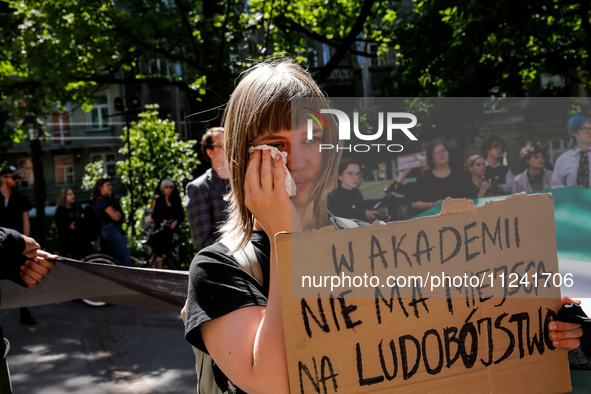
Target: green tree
[
  {"x": 63, "y": 50},
  {"x": 501, "y": 47},
  {"x": 156, "y": 153}
]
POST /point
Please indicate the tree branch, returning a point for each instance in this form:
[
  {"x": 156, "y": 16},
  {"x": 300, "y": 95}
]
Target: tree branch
[
  {"x": 284, "y": 23},
  {"x": 347, "y": 42},
  {"x": 183, "y": 14}
]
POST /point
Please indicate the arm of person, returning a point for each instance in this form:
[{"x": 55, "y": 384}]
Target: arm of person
[
  {"x": 26, "y": 224},
  {"x": 37, "y": 267},
  {"x": 484, "y": 186},
  {"x": 256, "y": 360},
  {"x": 13, "y": 244},
  {"x": 401, "y": 177},
  {"x": 113, "y": 213},
  {"x": 424, "y": 205},
  {"x": 370, "y": 214},
  {"x": 507, "y": 187},
  {"x": 566, "y": 335},
  {"x": 558, "y": 180}
]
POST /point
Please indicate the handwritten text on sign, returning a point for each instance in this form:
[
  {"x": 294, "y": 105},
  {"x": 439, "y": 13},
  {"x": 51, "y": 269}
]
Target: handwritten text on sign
[{"x": 366, "y": 339}]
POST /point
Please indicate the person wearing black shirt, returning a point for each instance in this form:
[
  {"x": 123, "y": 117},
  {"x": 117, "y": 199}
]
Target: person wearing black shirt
[
  {"x": 440, "y": 180},
  {"x": 493, "y": 150},
  {"x": 346, "y": 200},
  {"x": 167, "y": 214},
  {"x": 73, "y": 240}
]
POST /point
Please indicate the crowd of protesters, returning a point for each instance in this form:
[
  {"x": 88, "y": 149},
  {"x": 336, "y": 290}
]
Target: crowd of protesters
[{"x": 483, "y": 175}]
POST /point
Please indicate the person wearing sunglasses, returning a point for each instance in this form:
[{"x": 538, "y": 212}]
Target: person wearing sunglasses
[
  {"x": 207, "y": 208},
  {"x": 167, "y": 214},
  {"x": 14, "y": 214},
  {"x": 14, "y": 205},
  {"x": 440, "y": 180}
]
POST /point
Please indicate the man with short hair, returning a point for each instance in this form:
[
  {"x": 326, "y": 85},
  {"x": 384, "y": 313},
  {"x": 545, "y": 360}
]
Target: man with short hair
[
  {"x": 14, "y": 205},
  {"x": 492, "y": 150},
  {"x": 206, "y": 210},
  {"x": 572, "y": 167},
  {"x": 14, "y": 214}
]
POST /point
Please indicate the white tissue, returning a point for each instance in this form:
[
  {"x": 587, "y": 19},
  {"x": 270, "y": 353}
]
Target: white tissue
[{"x": 290, "y": 185}]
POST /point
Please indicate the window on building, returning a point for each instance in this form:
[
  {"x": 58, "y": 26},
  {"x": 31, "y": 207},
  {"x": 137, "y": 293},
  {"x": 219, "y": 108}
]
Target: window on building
[
  {"x": 109, "y": 164},
  {"x": 381, "y": 60},
  {"x": 184, "y": 125},
  {"x": 98, "y": 115},
  {"x": 60, "y": 127},
  {"x": 64, "y": 170},
  {"x": 325, "y": 53},
  {"x": 552, "y": 81},
  {"x": 556, "y": 148},
  {"x": 25, "y": 167}
]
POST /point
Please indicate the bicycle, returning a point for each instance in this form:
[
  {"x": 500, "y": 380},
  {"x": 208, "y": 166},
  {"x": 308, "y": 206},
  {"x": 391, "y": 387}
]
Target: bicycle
[{"x": 162, "y": 238}]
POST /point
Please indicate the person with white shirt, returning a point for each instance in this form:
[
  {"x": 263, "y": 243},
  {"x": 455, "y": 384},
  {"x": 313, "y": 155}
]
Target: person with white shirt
[{"x": 572, "y": 167}]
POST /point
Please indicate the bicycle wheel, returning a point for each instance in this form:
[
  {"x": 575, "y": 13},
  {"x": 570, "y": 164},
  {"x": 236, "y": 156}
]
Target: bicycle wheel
[{"x": 100, "y": 258}]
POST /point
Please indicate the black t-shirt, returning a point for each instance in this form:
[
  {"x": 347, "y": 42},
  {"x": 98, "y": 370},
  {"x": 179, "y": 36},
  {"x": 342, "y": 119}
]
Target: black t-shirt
[
  {"x": 72, "y": 243},
  {"x": 347, "y": 204},
  {"x": 498, "y": 174},
  {"x": 430, "y": 188},
  {"x": 11, "y": 215},
  {"x": 218, "y": 286},
  {"x": 163, "y": 212}
]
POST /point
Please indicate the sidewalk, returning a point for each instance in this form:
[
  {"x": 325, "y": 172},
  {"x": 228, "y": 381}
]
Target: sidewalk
[{"x": 74, "y": 348}]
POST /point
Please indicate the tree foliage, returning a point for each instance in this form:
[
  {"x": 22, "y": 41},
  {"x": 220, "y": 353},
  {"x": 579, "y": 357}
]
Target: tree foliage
[
  {"x": 156, "y": 153},
  {"x": 64, "y": 50},
  {"x": 501, "y": 47}
]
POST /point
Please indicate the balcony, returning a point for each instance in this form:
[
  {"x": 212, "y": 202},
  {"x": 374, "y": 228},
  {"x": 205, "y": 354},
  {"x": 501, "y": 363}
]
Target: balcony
[{"x": 76, "y": 137}]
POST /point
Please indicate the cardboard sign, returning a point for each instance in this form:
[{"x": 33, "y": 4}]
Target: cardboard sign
[
  {"x": 465, "y": 338},
  {"x": 412, "y": 160}
]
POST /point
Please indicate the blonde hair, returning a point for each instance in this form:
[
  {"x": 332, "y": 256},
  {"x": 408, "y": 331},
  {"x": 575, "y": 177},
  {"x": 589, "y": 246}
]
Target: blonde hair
[
  {"x": 471, "y": 160},
  {"x": 262, "y": 102}
]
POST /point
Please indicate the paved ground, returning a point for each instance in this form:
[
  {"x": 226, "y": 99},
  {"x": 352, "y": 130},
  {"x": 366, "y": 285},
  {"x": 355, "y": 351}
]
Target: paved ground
[
  {"x": 74, "y": 348},
  {"x": 116, "y": 350}
]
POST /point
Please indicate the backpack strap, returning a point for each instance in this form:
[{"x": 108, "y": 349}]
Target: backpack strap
[{"x": 246, "y": 257}]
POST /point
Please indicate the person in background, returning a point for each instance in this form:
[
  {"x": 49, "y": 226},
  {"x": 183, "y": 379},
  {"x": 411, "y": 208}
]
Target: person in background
[
  {"x": 167, "y": 214},
  {"x": 73, "y": 239},
  {"x": 572, "y": 167},
  {"x": 475, "y": 167},
  {"x": 14, "y": 214},
  {"x": 107, "y": 210},
  {"x": 535, "y": 177},
  {"x": 493, "y": 150},
  {"x": 206, "y": 209},
  {"x": 440, "y": 181},
  {"x": 346, "y": 200},
  {"x": 389, "y": 203},
  {"x": 24, "y": 263}
]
